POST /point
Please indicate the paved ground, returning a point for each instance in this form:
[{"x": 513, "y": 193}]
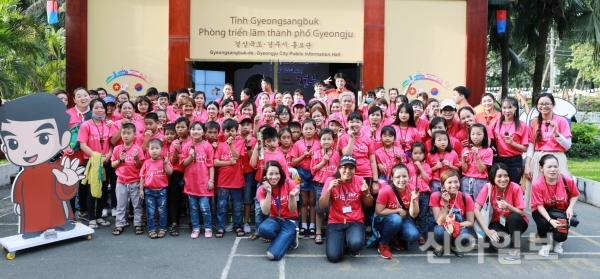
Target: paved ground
[{"x": 231, "y": 257}]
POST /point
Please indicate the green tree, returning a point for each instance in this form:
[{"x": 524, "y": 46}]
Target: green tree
[{"x": 583, "y": 60}]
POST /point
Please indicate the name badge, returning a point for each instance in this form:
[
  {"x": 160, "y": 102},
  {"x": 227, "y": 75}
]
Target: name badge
[
  {"x": 346, "y": 209},
  {"x": 503, "y": 220}
]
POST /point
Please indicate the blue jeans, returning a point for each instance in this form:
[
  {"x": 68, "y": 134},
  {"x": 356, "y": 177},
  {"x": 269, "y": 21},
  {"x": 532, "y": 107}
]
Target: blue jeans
[
  {"x": 339, "y": 236},
  {"x": 394, "y": 225},
  {"x": 281, "y": 232},
  {"x": 425, "y": 216},
  {"x": 439, "y": 233},
  {"x": 238, "y": 207},
  {"x": 249, "y": 190},
  {"x": 200, "y": 204},
  {"x": 156, "y": 200},
  {"x": 515, "y": 167},
  {"x": 259, "y": 216},
  {"x": 306, "y": 180}
]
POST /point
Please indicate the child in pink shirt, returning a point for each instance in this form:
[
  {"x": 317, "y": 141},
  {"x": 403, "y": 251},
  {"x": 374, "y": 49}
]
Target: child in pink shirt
[
  {"x": 175, "y": 189},
  {"x": 388, "y": 155},
  {"x": 475, "y": 161},
  {"x": 406, "y": 129},
  {"x": 127, "y": 160},
  {"x": 153, "y": 187},
  {"x": 441, "y": 158},
  {"x": 197, "y": 159},
  {"x": 420, "y": 176}
]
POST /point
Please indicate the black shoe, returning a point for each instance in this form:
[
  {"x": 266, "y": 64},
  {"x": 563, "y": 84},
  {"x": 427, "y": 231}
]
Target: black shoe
[
  {"x": 312, "y": 233},
  {"x": 303, "y": 233}
]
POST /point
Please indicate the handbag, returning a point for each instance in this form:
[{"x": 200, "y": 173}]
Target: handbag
[
  {"x": 486, "y": 213},
  {"x": 556, "y": 213}
]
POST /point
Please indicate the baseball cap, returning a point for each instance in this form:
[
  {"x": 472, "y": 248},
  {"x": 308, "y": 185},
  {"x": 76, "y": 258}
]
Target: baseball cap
[
  {"x": 241, "y": 118},
  {"x": 347, "y": 159},
  {"x": 447, "y": 103},
  {"x": 109, "y": 99},
  {"x": 299, "y": 102},
  {"x": 336, "y": 117}
]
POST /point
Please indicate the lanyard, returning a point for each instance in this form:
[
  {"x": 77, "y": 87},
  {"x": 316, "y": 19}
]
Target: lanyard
[{"x": 345, "y": 193}]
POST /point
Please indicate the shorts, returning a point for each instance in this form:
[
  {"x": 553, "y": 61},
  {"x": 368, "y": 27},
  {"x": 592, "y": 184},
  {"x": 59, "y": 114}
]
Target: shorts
[
  {"x": 306, "y": 180},
  {"x": 249, "y": 190},
  {"x": 319, "y": 189}
]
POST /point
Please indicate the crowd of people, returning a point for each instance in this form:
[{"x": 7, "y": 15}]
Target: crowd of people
[{"x": 388, "y": 169}]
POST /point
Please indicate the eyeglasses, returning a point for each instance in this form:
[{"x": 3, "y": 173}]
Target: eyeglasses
[{"x": 545, "y": 105}]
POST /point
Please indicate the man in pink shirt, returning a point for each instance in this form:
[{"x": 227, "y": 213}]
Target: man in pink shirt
[{"x": 266, "y": 84}]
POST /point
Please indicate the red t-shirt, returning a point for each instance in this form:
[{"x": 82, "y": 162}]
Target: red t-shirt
[
  {"x": 127, "y": 172},
  {"x": 363, "y": 148},
  {"x": 347, "y": 194},
  {"x": 154, "y": 174},
  {"x": 95, "y": 136},
  {"x": 375, "y": 137},
  {"x": 197, "y": 173},
  {"x": 178, "y": 166},
  {"x": 281, "y": 194},
  {"x": 406, "y": 136},
  {"x": 548, "y": 141},
  {"x": 454, "y": 129},
  {"x": 287, "y": 154},
  {"x": 513, "y": 195},
  {"x": 328, "y": 170},
  {"x": 388, "y": 198},
  {"x": 433, "y": 159},
  {"x": 247, "y": 168},
  {"x": 268, "y": 156},
  {"x": 455, "y": 202},
  {"x": 231, "y": 177},
  {"x": 486, "y": 155},
  {"x": 139, "y": 140},
  {"x": 388, "y": 158},
  {"x": 520, "y": 136},
  {"x": 300, "y": 147},
  {"x": 547, "y": 195},
  {"x": 417, "y": 180}
]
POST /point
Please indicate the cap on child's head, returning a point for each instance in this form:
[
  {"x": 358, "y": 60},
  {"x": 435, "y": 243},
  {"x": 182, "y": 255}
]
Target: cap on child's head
[
  {"x": 299, "y": 103},
  {"x": 336, "y": 117},
  {"x": 243, "y": 118}
]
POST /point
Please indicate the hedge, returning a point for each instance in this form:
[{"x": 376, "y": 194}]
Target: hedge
[{"x": 584, "y": 150}]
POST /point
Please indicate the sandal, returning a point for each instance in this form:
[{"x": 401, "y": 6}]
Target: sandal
[
  {"x": 239, "y": 231},
  {"x": 161, "y": 233},
  {"x": 93, "y": 225},
  {"x": 118, "y": 231},
  {"x": 103, "y": 223},
  {"x": 139, "y": 230},
  {"x": 207, "y": 233},
  {"x": 174, "y": 230},
  {"x": 318, "y": 239},
  {"x": 144, "y": 223},
  {"x": 195, "y": 234},
  {"x": 152, "y": 234},
  {"x": 253, "y": 237},
  {"x": 421, "y": 240},
  {"x": 219, "y": 233},
  {"x": 264, "y": 240}
]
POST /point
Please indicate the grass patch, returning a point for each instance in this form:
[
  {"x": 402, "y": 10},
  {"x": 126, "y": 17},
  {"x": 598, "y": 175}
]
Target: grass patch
[{"x": 583, "y": 168}]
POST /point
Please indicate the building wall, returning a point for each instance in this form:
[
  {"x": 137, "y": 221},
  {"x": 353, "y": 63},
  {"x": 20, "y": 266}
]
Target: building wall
[
  {"x": 129, "y": 35},
  {"x": 427, "y": 37}
]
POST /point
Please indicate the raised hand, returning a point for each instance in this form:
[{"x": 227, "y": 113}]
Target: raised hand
[{"x": 71, "y": 173}]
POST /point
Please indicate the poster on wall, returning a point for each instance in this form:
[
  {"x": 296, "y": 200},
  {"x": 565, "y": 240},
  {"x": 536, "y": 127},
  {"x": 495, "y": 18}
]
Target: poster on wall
[
  {"x": 241, "y": 30},
  {"x": 431, "y": 84},
  {"x": 132, "y": 81}
]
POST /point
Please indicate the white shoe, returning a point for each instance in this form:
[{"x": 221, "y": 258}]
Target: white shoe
[
  {"x": 104, "y": 213},
  {"x": 545, "y": 251},
  {"x": 229, "y": 227},
  {"x": 247, "y": 228},
  {"x": 558, "y": 247},
  {"x": 113, "y": 212}
]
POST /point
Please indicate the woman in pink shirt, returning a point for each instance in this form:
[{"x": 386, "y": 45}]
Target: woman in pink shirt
[
  {"x": 508, "y": 217},
  {"x": 548, "y": 134},
  {"x": 199, "y": 109},
  {"x": 127, "y": 112},
  {"x": 421, "y": 122},
  {"x": 277, "y": 197},
  {"x": 407, "y": 133},
  {"x": 489, "y": 114},
  {"x": 187, "y": 108},
  {"x": 372, "y": 128},
  {"x": 512, "y": 138},
  {"x": 345, "y": 193}
]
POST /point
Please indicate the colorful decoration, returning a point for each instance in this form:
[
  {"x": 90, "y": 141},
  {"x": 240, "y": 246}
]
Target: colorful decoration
[
  {"x": 124, "y": 72},
  {"x": 138, "y": 87},
  {"x": 434, "y": 91},
  {"x": 116, "y": 86},
  {"x": 52, "y": 11},
  {"x": 501, "y": 21},
  {"x": 429, "y": 77},
  {"x": 412, "y": 90}
]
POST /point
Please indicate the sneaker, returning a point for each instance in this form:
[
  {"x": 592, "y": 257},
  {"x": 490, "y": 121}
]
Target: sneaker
[
  {"x": 113, "y": 212},
  {"x": 545, "y": 251},
  {"x": 229, "y": 227},
  {"x": 303, "y": 232},
  {"x": 384, "y": 251},
  {"x": 104, "y": 212},
  {"x": 438, "y": 252},
  {"x": 208, "y": 233},
  {"x": 558, "y": 247},
  {"x": 195, "y": 234},
  {"x": 458, "y": 252},
  {"x": 247, "y": 228},
  {"x": 312, "y": 233},
  {"x": 353, "y": 255},
  {"x": 513, "y": 257},
  {"x": 398, "y": 244}
]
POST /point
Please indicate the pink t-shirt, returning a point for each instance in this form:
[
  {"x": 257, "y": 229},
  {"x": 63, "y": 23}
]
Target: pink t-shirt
[
  {"x": 486, "y": 155},
  {"x": 197, "y": 173},
  {"x": 513, "y": 195},
  {"x": 363, "y": 148},
  {"x": 388, "y": 198},
  {"x": 375, "y": 137},
  {"x": 231, "y": 177},
  {"x": 388, "y": 158},
  {"x": 281, "y": 196},
  {"x": 346, "y": 194},
  {"x": 154, "y": 174},
  {"x": 300, "y": 147},
  {"x": 454, "y": 128},
  {"x": 274, "y": 156},
  {"x": 127, "y": 172},
  {"x": 454, "y": 203},
  {"x": 463, "y": 134},
  {"x": 95, "y": 136},
  {"x": 116, "y": 126},
  {"x": 520, "y": 136},
  {"x": 328, "y": 170},
  {"x": 173, "y": 114},
  {"x": 178, "y": 166},
  {"x": 456, "y": 145},
  {"x": 287, "y": 154},
  {"x": 406, "y": 136},
  {"x": 202, "y": 116},
  {"x": 417, "y": 179},
  {"x": 271, "y": 99},
  {"x": 547, "y": 195},
  {"x": 433, "y": 159},
  {"x": 422, "y": 127},
  {"x": 548, "y": 141},
  {"x": 76, "y": 117},
  {"x": 139, "y": 140}
]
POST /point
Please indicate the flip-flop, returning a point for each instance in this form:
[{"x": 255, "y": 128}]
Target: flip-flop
[{"x": 253, "y": 237}]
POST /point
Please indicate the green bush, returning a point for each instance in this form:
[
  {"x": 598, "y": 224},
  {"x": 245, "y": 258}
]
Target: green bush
[
  {"x": 584, "y": 133},
  {"x": 584, "y": 150}
]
